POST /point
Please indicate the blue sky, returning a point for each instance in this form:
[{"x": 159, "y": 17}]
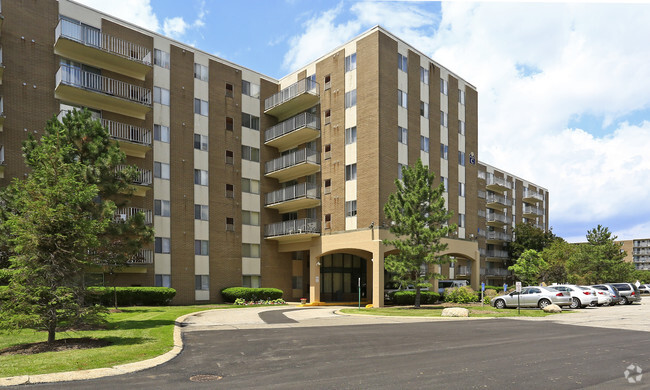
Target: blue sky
[{"x": 564, "y": 89}]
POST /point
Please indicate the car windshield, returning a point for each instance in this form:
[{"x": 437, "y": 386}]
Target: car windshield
[
  {"x": 552, "y": 289},
  {"x": 584, "y": 288}
]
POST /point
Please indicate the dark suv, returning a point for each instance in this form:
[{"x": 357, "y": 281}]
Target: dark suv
[
  {"x": 613, "y": 292},
  {"x": 629, "y": 292}
]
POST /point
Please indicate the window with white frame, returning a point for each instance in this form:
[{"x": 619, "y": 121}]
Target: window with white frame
[
  {"x": 161, "y": 58},
  {"x": 461, "y": 220},
  {"x": 202, "y": 282},
  {"x": 351, "y": 208},
  {"x": 161, "y": 95},
  {"x": 461, "y": 158},
  {"x": 444, "y": 151},
  {"x": 461, "y": 127},
  {"x": 424, "y": 109},
  {"x": 161, "y": 208},
  {"x": 250, "y": 89},
  {"x": 444, "y": 86},
  {"x": 200, "y": 177},
  {"x": 424, "y": 75},
  {"x": 402, "y": 135},
  {"x": 351, "y": 172},
  {"x": 461, "y": 189},
  {"x": 351, "y": 62},
  {"x": 200, "y": 107},
  {"x": 444, "y": 121},
  {"x": 424, "y": 144},
  {"x": 402, "y": 98},
  {"x": 400, "y": 174},
  {"x": 250, "y": 121},
  {"x": 254, "y": 281},
  {"x": 201, "y": 247},
  {"x": 250, "y": 186},
  {"x": 201, "y": 212},
  {"x": 250, "y": 218},
  {"x": 402, "y": 63},
  {"x": 161, "y": 170},
  {"x": 445, "y": 183},
  {"x": 162, "y": 245},
  {"x": 250, "y": 153},
  {"x": 461, "y": 96},
  {"x": 350, "y": 135},
  {"x": 200, "y": 142},
  {"x": 200, "y": 72},
  {"x": 161, "y": 280},
  {"x": 250, "y": 250},
  {"x": 161, "y": 133},
  {"x": 351, "y": 98}
]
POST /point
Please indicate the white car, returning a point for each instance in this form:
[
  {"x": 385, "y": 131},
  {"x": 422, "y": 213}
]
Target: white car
[
  {"x": 604, "y": 298},
  {"x": 580, "y": 296}
]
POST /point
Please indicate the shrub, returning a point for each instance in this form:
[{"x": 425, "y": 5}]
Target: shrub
[
  {"x": 248, "y": 294},
  {"x": 490, "y": 292},
  {"x": 131, "y": 296},
  {"x": 461, "y": 295},
  {"x": 408, "y": 297},
  {"x": 487, "y": 299}
]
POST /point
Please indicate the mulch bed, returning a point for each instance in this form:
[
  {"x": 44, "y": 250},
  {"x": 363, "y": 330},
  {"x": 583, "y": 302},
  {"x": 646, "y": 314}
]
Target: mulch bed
[{"x": 56, "y": 346}]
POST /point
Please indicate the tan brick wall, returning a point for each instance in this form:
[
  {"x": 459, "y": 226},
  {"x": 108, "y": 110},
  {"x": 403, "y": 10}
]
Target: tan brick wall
[
  {"x": 434, "y": 120},
  {"x": 413, "y": 108},
  {"x": 471, "y": 170},
  {"x": 453, "y": 147}
]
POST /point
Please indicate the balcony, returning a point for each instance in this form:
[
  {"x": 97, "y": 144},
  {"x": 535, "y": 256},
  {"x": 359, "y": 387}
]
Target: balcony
[
  {"x": 92, "y": 47},
  {"x": 297, "y": 197},
  {"x": 2, "y": 162},
  {"x": 497, "y": 184},
  {"x": 497, "y": 219},
  {"x": 495, "y": 272},
  {"x": 495, "y": 254},
  {"x": 532, "y": 211},
  {"x": 142, "y": 182},
  {"x": 96, "y": 91},
  {"x": 134, "y": 141},
  {"x": 293, "y": 231},
  {"x": 297, "y": 130},
  {"x": 303, "y": 162},
  {"x": 497, "y": 237},
  {"x": 124, "y": 213},
  {"x": 2, "y": 113},
  {"x": 144, "y": 256},
  {"x": 2, "y": 66},
  {"x": 530, "y": 196},
  {"x": 463, "y": 270},
  {"x": 497, "y": 201},
  {"x": 295, "y": 98}
]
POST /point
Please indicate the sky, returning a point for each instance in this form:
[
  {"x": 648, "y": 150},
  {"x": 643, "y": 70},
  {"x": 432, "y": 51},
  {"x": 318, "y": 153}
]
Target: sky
[{"x": 564, "y": 88}]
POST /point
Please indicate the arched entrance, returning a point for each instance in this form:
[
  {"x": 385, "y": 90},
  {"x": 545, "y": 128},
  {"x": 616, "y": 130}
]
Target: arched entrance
[{"x": 340, "y": 275}]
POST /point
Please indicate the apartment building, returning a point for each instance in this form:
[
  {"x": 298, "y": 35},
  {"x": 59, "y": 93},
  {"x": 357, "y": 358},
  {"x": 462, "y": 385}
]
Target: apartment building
[
  {"x": 638, "y": 252},
  {"x": 253, "y": 181}
]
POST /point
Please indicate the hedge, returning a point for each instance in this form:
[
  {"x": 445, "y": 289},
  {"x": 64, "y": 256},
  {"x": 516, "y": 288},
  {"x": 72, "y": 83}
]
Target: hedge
[
  {"x": 131, "y": 296},
  {"x": 248, "y": 294},
  {"x": 408, "y": 297}
]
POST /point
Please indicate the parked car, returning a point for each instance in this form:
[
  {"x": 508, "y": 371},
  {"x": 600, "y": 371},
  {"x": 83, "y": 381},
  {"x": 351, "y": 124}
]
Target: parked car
[
  {"x": 391, "y": 287},
  {"x": 443, "y": 284},
  {"x": 580, "y": 297},
  {"x": 644, "y": 289},
  {"x": 532, "y": 296},
  {"x": 611, "y": 290},
  {"x": 603, "y": 296},
  {"x": 629, "y": 292}
]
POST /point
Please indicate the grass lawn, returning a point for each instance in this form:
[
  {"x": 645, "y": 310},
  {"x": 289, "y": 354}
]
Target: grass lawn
[
  {"x": 137, "y": 333},
  {"x": 436, "y": 311}
]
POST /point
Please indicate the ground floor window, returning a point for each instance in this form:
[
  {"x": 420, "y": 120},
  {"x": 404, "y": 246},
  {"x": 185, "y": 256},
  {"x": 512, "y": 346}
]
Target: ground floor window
[
  {"x": 163, "y": 280},
  {"x": 340, "y": 274},
  {"x": 251, "y": 281}
]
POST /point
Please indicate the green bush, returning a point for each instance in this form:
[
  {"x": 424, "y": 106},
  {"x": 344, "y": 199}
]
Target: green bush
[
  {"x": 461, "y": 295},
  {"x": 131, "y": 296},
  {"x": 487, "y": 299},
  {"x": 249, "y": 294},
  {"x": 408, "y": 297}
]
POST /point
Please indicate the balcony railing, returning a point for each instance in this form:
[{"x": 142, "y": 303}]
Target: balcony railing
[
  {"x": 142, "y": 179},
  {"x": 533, "y": 195},
  {"x": 495, "y": 217},
  {"x": 496, "y": 253},
  {"x": 500, "y": 199},
  {"x": 79, "y": 78},
  {"x": 303, "y": 190},
  {"x": 303, "y": 86},
  {"x": 296, "y": 226},
  {"x": 481, "y": 213},
  {"x": 297, "y": 122},
  {"x": 533, "y": 210},
  {"x": 464, "y": 270},
  {"x": 493, "y": 180},
  {"x": 481, "y": 194},
  {"x": 291, "y": 159},
  {"x": 124, "y": 213},
  {"x": 144, "y": 256},
  {"x": 498, "y": 236},
  {"x": 126, "y": 132},
  {"x": 90, "y": 36},
  {"x": 495, "y": 272}
]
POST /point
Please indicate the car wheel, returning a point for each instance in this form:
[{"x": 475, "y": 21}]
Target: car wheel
[
  {"x": 628, "y": 302},
  {"x": 623, "y": 301},
  {"x": 575, "y": 303},
  {"x": 543, "y": 303},
  {"x": 500, "y": 304},
  {"x": 593, "y": 304}
]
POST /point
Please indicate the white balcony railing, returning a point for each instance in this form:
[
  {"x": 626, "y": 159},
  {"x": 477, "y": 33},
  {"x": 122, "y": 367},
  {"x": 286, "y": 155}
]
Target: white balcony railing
[
  {"x": 126, "y": 132},
  {"x": 533, "y": 210},
  {"x": 90, "y": 36},
  {"x": 495, "y": 198},
  {"x": 495, "y": 272},
  {"x": 124, "y": 213},
  {"x": 143, "y": 178},
  {"x": 532, "y": 194},
  {"x": 291, "y": 159},
  {"x": 296, "y": 226},
  {"x": 464, "y": 270},
  {"x": 79, "y": 78},
  {"x": 297, "y": 122},
  {"x": 2, "y": 155},
  {"x": 496, "y": 253},
  {"x": 144, "y": 256},
  {"x": 296, "y": 89},
  {"x": 496, "y": 217},
  {"x": 498, "y": 236},
  {"x": 303, "y": 190},
  {"x": 493, "y": 180}
]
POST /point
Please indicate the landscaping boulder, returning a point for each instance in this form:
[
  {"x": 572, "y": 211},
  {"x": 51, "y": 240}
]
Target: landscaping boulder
[
  {"x": 455, "y": 312},
  {"x": 552, "y": 309}
]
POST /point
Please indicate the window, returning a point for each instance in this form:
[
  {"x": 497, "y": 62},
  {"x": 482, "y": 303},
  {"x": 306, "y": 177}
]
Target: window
[
  {"x": 230, "y": 224},
  {"x": 461, "y": 96},
  {"x": 351, "y": 208},
  {"x": 230, "y": 123},
  {"x": 328, "y": 114},
  {"x": 351, "y": 62},
  {"x": 250, "y": 153},
  {"x": 402, "y": 63},
  {"x": 200, "y": 107},
  {"x": 443, "y": 87},
  {"x": 250, "y": 89},
  {"x": 250, "y": 121},
  {"x": 201, "y": 212},
  {"x": 230, "y": 157},
  {"x": 200, "y": 142},
  {"x": 250, "y": 186},
  {"x": 230, "y": 191},
  {"x": 350, "y": 135},
  {"x": 328, "y": 186},
  {"x": 424, "y": 75},
  {"x": 461, "y": 189},
  {"x": 424, "y": 109},
  {"x": 201, "y": 247},
  {"x": 461, "y": 220},
  {"x": 351, "y": 172},
  {"x": 444, "y": 151},
  {"x": 424, "y": 144},
  {"x": 161, "y": 58},
  {"x": 161, "y": 133},
  {"x": 201, "y": 282},
  {"x": 250, "y": 218},
  {"x": 328, "y": 151},
  {"x": 443, "y": 119},
  {"x": 250, "y": 250},
  {"x": 399, "y": 171},
  {"x": 161, "y": 208},
  {"x": 402, "y": 99},
  {"x": 327, "y": 83},
  {"x": 200, "y": 72},
  {"x": 163, "y": 280},
  {"x": 162, "y": 245},
  {"x": 328, "y": 221},
  {"x": 251, "y": 281},
  {"x": 402, "y": 135},
  {"x": 200, "y": 177},
  {"x": 445, "y": 183},
  {"x": 461, "y": 127},
  {"x": 161, "y": 170},
  {"x": 351, "y": 98},
  {"x": 461, "y": 158},
  {"x": 230, "y": 90},
  {"x": 161, "y": 95}
]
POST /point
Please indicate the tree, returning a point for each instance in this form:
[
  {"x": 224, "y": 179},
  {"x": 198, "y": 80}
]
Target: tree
[
  {"x": 557, "y": 255},
  {"x": 529, "y": 266},
  {"x": 528, "y": 236},
  {"x": 419, "y": 220}
]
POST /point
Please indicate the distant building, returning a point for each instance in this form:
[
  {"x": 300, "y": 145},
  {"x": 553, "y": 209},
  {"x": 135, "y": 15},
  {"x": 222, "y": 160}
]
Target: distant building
[{"x": 638, "y": 252}]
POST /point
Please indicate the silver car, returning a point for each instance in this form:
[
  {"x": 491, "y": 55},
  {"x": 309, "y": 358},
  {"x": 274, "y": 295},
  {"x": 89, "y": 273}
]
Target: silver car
[
  {"x": 580, "y": 296},
  {"x": 604, "y": 298},
  {"x": 532, "y": 296}
]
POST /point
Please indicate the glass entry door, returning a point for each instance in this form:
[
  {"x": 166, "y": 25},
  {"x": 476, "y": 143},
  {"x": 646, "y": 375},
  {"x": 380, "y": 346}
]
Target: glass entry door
[{"x": 340, "y": 275}]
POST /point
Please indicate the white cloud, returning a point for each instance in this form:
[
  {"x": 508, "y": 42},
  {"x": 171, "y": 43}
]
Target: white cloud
[
  {"x": 138, "y": 12},
  {"x": 174, "y": 27}
]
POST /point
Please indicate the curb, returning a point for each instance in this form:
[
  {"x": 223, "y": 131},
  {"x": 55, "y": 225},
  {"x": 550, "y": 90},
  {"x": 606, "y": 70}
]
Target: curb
[{"x": 107, "y": 371}]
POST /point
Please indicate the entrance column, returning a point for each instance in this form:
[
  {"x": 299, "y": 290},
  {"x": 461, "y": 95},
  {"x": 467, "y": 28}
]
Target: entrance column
[
  {"x": 434, "y": 282},
  {"x": 476, "y": 271},
  {"x": 314, "y": 277},
  {"x": 378, "y": 274}
]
